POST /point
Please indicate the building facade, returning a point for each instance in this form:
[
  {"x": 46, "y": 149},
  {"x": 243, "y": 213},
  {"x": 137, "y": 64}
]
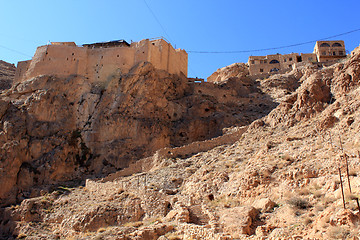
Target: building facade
[
  {"x": 329, "y": 50},
  {"x": 99, "y": 61},
  {"x": 324, "y": 51}
]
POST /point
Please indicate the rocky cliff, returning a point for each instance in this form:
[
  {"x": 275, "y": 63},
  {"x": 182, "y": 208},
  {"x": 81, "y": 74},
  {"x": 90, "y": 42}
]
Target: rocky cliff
[
  {"x": 278, "y": 180},
  {"x": 7, "y": 73},
  {"x": 61, "y": 130}
]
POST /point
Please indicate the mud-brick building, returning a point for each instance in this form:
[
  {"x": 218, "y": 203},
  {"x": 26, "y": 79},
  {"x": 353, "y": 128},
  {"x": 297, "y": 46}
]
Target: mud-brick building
[
  {"x": 99, "y": 61},
  {"x": 324, "y": 51}
]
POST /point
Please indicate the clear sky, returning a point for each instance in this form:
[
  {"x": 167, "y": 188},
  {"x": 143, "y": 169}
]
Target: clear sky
[{"x": 193, "y": 25}]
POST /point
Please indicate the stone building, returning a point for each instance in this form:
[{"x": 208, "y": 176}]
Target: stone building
[
  {"x": 329, "y": 50},
  {"x": 324, "y": 51},
  {"x": 99, "y": 61}
]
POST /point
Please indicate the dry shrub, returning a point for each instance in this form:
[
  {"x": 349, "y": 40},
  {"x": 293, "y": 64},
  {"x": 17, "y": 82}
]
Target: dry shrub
[{"x": 299, "y": 203}]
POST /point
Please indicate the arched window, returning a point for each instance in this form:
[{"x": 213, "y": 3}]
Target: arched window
[
  {"x": 325, "y": 45},
  {"x": 274, "y": 61},
  {"x": 274, "y": 70},
  {"x": 337, "y": 45}
]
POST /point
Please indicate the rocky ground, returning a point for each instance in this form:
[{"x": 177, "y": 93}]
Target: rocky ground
[
  {"x": 279, "y": 180},
  {"x": 7, "y": 73}
]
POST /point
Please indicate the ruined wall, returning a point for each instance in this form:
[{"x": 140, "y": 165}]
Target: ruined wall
[{"x": 98, "y": 64}]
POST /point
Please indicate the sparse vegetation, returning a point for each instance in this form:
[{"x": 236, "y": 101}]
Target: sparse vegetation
[{"x": 299, "y": 203}]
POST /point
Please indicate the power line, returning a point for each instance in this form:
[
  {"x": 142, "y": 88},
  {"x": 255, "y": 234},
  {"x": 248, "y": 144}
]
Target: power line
[
  {"x": 15, "y": 51},
  {"x": 157, "y": 20},
  {"x": 274, "y": 48}
]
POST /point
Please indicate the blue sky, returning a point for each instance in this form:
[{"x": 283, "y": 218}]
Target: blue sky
[{"x": 227, "y": 25}]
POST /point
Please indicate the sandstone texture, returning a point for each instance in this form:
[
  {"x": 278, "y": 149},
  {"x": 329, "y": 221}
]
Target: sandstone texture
[
  {"x": 237, "y": 70},
  {"x": 279, "y": 179},
  {"x": 7, "y": 74},
  {"x": 65, "y": 130}
]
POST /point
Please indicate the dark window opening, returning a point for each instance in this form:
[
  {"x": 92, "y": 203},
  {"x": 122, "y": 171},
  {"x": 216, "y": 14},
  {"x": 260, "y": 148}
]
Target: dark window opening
[
  {"x": 290, "y": 59},
  {"x": 337, "y": 45},
  {"x": 261, "y": 70},
  {"x": 325, "y": 45},
  {"x": 72, "y": 54},
  {"x": 334, "y": 53},
  {"x": 274, "y": 70},
  {"x": 274, "y": 61}
]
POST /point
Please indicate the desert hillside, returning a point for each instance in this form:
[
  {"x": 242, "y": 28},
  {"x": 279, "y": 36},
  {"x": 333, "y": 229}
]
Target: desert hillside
[
  {"x": 236, "y": 159},
  {"x": 7, "y": 73}
]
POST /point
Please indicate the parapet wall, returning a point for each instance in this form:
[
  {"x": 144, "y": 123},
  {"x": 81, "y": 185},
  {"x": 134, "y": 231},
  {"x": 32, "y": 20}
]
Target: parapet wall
[{"x": 98, "y": 64}]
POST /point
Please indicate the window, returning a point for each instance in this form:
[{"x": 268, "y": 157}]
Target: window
[
  {"x": 252, "y": 62},
  {"x": 337, "y": 45},
  {"x": 334, "y": 53},
  {"x": 323, "y": 53},
  {"x": 341, "y": 53},
  {"x": 265, "y": 61},
  {"x": 274, "y": 61},
  {"x": 261, "y": 70},
  {"x": 324, "y": 45},
  {"x": 290, "y": 59},
  {"x": 310, "y": 59},
  {"x": 284, "y": 60}
]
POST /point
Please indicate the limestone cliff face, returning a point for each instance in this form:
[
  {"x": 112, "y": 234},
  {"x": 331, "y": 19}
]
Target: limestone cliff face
[
  {"x": 55, "y": 130},
  {"x": 7, "y": 73},
  {"x": 238, "y": 70}
]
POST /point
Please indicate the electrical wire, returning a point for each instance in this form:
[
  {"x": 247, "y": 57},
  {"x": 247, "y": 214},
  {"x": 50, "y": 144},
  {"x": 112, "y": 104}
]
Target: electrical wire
[
  {"x": 273, "y": 48},
  {"x": 15, "y": 51},
  {"x": 157, "y": 20}
]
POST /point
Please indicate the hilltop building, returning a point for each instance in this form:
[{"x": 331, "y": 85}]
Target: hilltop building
[
  {"x": 99, "y": 61},
  {"x": 324, "y": 51}
]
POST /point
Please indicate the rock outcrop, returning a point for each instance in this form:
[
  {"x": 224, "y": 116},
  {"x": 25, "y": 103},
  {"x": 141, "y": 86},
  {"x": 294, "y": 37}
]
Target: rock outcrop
[
  {"x": 236, "y": 70},
  {"x": 7, "y": 74},
  {"x": 55, "y": 130}
]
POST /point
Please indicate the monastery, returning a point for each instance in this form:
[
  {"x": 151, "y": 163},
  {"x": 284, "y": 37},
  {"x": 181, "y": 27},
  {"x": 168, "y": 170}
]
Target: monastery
[
  {"x": 324, "y": 52},
  {"x": 99, "y": 61}
]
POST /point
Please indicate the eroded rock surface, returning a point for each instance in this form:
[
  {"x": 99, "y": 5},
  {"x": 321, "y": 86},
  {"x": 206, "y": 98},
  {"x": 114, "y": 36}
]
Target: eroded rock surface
[
  {"x": 57, "y": 130},
  {"x": 278, "y": 181},
  {"x": 7, "y": 74}
]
